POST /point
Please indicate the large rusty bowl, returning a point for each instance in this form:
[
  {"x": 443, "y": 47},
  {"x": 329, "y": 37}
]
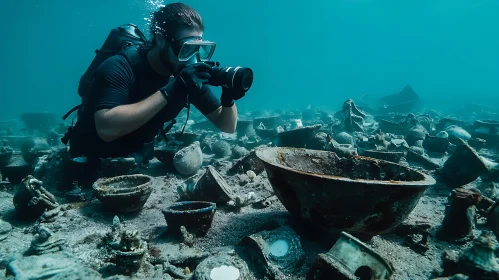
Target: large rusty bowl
[{"x": 359, "y": 195}]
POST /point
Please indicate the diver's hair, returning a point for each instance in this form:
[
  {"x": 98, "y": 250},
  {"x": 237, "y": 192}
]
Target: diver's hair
[{"x": 169, "y": 18}]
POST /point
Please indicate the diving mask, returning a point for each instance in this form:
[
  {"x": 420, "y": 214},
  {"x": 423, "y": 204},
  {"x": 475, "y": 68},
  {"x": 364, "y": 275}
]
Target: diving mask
[{"x": 198, "y": 50}]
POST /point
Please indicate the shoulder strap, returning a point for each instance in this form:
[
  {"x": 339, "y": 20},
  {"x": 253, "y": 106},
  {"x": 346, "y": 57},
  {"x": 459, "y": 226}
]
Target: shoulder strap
[{"x": 131, "y": 53}]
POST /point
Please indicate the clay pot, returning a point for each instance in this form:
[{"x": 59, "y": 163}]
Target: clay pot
[
  {"x": 195, "y": 216},
  {"x": 244, "y": 127},
  {"x": 124, "y": 194},
  {"x": 436, "y": 144},
  {"x": 299, "y": 137}
]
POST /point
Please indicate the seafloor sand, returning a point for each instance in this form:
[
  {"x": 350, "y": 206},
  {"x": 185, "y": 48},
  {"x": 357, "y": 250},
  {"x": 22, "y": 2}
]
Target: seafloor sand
[{"x": 83, "y": 224}]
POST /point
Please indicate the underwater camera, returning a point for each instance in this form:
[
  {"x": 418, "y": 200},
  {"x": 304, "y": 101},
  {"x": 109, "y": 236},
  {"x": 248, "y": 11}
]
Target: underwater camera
[{"x": 230, "y": 77}]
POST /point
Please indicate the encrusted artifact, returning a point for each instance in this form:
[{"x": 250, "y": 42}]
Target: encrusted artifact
[
  {"x": 32, "y": 199},
  {"x": 459, "y": 217}
]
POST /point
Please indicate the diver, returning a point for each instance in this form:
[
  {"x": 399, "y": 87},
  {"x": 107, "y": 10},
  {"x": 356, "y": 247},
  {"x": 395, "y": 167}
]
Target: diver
[{"x": 132, "y": 96}]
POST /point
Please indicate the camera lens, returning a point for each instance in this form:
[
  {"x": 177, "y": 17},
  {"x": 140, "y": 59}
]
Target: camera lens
[
  {"x": 232, "y": 77},
  {"x": 243, "y": 78}
]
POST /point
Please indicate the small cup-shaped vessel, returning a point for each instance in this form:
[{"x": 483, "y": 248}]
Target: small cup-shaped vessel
[
  {"x": 127, "y": 193},
  {"x": 195, "y": 216}
]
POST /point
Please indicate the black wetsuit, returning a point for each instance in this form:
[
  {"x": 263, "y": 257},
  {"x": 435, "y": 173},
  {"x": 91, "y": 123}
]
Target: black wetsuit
[{"x": 116, "y": 83}]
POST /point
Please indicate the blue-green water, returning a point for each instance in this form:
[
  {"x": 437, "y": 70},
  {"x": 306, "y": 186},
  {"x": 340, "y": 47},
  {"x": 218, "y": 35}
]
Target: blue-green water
[{"x": 317, "y": 52}]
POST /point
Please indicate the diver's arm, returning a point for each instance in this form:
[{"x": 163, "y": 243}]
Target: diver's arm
[
  {"x": 224, "y": 118},
  {"x": 116, "y": 122}
]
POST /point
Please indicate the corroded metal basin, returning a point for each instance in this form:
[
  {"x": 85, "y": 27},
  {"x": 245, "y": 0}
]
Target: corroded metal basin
[{"x": 359, "y": 195}]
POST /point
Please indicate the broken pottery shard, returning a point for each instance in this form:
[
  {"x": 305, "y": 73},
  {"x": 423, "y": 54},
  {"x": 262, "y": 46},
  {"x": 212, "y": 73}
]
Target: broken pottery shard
[
  {"x": 32, "y": 199},
  {"x": 299, "y": 137},
  {"x": 249, "y": 162},
  {"x": 463, "y": 166},
  {"x": 276, "y": 251},
  {"x": 426, "y": 162},
  {"x": 459, "y": 218},
  {"x": 60, "y": 265},
  {"x": 222, "y": 267},
  {"x": 210, "y": 187},
  {"x": 188, "y": 160},
  {"x": 350, "y": 259}
]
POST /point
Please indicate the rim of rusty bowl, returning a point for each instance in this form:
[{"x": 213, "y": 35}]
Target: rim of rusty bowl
[
  {"x": 427, "y": 179},
  {"x": 206, "y": 207},
  {"x": 97, "y": 186}
]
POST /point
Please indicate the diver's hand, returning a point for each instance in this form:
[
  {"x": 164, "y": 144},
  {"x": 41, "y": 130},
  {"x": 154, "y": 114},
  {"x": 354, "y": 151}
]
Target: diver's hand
[
  {"x": 195, "y": 75},
  {"x": 190, "y": 79},
  {"x": 229, "y": 95}
]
